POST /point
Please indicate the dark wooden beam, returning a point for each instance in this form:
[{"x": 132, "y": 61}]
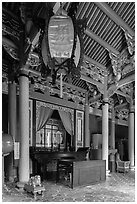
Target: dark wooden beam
[
  {"x": 94, "y": 99},
  {"x": 123, "y": 82},
  {"x": 126, "y": 80},
  {"x": 92, "y": 81},
  {"x": 36, "y": 73},
  {"x": 121, "y": 106},
  {"x": 122, "y": 94},
  {"x": 83, "y": 77},
  {"x": 54, "y": 100}
]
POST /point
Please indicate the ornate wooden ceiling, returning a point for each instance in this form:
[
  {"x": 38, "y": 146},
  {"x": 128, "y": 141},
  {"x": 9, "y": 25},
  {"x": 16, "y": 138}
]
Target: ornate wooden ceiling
[{"x": 109, "y": 45}]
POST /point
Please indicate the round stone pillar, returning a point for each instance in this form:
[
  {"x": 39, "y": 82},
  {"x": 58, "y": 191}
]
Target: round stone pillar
[
  {"x": 112, "y": 136},
  {"x": 105, "y": 131},
  {"x": 131, "y": 135},
  {"x": 87, "y": 135},
  {"x": 12, "y": 126},
  {"x": 24, "y": 126}
]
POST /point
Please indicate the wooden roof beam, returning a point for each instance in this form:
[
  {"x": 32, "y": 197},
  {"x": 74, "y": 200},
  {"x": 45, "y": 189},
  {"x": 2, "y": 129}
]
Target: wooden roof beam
[
  {"x": 121, "y": 83},
  {"x": 91, "y": 81},
  {"x": 117, "y": 19},
  {"x": 86, "y": 58},
  {"x": 121, "y": 106},
  {"x": 122, "y": 94},
  {"x": 38, "y": 74},
  {"x": 126, "y": 80},
  {"x": 83, "y": 77}
]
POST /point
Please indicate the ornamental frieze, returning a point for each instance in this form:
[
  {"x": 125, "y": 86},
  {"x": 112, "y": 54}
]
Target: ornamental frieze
[
  {"x": 122, "y": 63},
  {"x": 126, "y": 89},
  {"x": 130, "y": 42},
  {"x": 122, "y": 114},
  {"x": 75, "y": 95},
  {"x": 95, "y": 72}
]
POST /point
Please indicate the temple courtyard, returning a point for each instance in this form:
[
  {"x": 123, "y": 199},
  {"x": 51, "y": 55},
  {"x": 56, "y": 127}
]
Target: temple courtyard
[{"x": 117, "y": 187}]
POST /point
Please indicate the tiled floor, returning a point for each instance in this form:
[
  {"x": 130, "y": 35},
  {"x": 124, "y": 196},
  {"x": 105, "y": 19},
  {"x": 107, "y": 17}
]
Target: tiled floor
[{"x": 117, "y": 188}]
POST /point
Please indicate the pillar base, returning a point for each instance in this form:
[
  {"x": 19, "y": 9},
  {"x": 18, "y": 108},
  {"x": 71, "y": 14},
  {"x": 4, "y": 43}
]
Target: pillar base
[
  {"x": 20, "y": 185},
  {"x": 132, "y": 168},
  {"x": 107, "y": 172},
  {"x": 13, "y": 176}
]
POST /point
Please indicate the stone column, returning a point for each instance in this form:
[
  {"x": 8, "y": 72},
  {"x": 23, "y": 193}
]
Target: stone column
[
  {"x": 12, "y": 126},
  {"x": 87, "y": 135},
  {"x": 131, "y": 135},
  {"x": 24, "y": 126},
  {"x": 105, "y": 131},
  {"x": 112, "y": 136},
  {"x": 112, "y": 142}
]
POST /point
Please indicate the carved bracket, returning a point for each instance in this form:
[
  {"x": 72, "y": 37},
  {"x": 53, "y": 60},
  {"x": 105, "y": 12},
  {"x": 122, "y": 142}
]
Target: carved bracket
[
  {"x": 130, "y": 43},
  {"x": 119, "y": 62},
  {"x": 112, "y": 90}
]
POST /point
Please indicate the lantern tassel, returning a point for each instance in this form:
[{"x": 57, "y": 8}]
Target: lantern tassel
[{"x": 61, "y": 89}]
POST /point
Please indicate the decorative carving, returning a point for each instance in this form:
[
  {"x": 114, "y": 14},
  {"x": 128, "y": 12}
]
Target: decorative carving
[
  {"x": 122, "y": 114},
  {"x": 130, "y": 43},
  {"x": 111, "y": 104},
  {"x": 96, "y": 104},
  {"x": 122, "y": 64},
  {"x": 11, "y": 51},
  {"x": 33, "y": 59},
  {"x": 126, "y": 89},
  {"x": 112, "y": 90},
  {"x": 91, "y": 87},
  {"x": 101, "y": 89},
  {"x": 74, "y": 95},
  {"x": 119, "y": 62},
  {"x": 95, "y": 72}
]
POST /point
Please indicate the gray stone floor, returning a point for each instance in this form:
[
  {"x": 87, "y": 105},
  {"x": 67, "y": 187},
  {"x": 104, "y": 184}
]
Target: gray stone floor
[{"x": 117, "y": 188}]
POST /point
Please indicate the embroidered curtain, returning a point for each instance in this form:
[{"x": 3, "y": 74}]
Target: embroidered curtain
[
  {"x": 45, "y": 114},
  {"x": 66, "y": 120}
]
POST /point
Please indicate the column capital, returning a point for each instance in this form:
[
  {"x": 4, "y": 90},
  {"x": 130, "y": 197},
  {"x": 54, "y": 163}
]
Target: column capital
[
  {"x": 24, "y": 72},
  {"x": 105, "y": 101},
  {"x": 132, "y": 110},
  {"x": 11, "y": 82}
]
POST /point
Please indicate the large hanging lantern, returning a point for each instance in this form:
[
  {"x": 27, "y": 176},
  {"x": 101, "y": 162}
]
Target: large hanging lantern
[
  {"x": 60, "y": 36},
  {"x": 62, "y": 44}
]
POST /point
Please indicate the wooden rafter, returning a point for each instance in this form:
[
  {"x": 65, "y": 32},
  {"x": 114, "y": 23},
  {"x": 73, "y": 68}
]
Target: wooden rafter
[
  {"x": 100, "y": 41},
  {"x": 117, "y": 19}
]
